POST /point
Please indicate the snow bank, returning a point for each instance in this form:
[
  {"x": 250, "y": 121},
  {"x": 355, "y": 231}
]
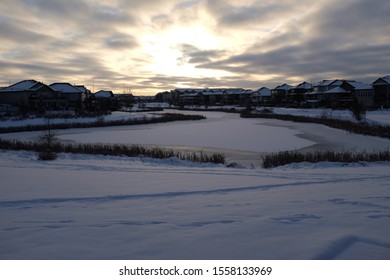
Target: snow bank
[
  {"x": 87, "y": 207},
  {"x": 376, "y": 116},
  {"x": 114, "y": 116}
]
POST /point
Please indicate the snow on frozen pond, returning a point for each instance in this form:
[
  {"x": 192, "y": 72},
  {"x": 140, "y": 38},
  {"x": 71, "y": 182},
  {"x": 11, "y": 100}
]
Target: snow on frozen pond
[
  {"x": 241, "y": 140},
  {"x": 228, "y": 132},
  {"x": 220, "y": 130}
]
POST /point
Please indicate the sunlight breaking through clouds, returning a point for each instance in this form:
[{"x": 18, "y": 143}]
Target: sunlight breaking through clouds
[{"x": 153, "y": 46}]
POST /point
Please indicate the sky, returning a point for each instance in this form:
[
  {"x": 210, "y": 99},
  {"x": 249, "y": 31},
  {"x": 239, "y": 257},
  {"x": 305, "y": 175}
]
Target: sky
[{"x": 149, "y": 46}]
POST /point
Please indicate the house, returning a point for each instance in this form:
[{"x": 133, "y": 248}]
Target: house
[
  {"x": 261, "y": 96},
  {"x": 165, "y": 96},
  {"x": 190, "y": 99},
  {"x": 337, "y": 97},
  {"x": 279, "y": 94},
  {"x": 326, "y": 85},
  {"x": 381, "y": 92},
  {"x": 296, "y": 95},
  {"x": 362, "y": 93},
  {"x": 237, "y": 96},
  {"x": 104, "y": 100},
  {"x": 74, "y": 96},
  {"x": 9, "y": 110},
  {"x": 31, "y": 95},
  {"x": 211, "y": 97},
  {"x": 321, "y": 93},
  {"x": 87, "y": 93},
  {"x": 125, "y": 100},
  {"x": 177, "y": 93},
  {"x": 104, "y": 94}
]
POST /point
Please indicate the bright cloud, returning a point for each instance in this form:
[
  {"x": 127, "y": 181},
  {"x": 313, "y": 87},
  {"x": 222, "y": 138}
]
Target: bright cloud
[{"x": 152, "y": 46}]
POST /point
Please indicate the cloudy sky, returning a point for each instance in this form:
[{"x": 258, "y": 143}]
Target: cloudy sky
[{"x": 155, "y": 45}]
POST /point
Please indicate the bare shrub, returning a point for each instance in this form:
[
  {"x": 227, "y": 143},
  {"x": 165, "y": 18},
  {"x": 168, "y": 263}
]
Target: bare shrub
[{"x": 47, "y": 140}]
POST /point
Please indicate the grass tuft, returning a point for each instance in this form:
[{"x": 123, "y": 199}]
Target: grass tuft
[
  {"x": 271, "y": 160},
  {"x": 110, "y": 150}
]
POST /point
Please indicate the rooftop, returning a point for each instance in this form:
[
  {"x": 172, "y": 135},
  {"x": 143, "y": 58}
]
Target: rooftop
[
  {"x": 66, "y": 88},
  {"x": 26, "y": 85}
]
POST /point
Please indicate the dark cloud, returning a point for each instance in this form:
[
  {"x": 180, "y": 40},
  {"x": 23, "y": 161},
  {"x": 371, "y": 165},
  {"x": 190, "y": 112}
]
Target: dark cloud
[
  {"x": 11, "y": 31},
  {"x": 121, "y": 41},
  {"x": 57, "y": 7},
  {"x": 357, "y": 17},
  {"x": 358, "y": 62},
  {"x": 81, "y": 68},
  {"x": 166, "y": 83},
  {"x": 239, "y": 14},
  {"x": 284, "y": 41},
  {"x": 193, "y": 55},
  {"x": 343, "y": 42}
]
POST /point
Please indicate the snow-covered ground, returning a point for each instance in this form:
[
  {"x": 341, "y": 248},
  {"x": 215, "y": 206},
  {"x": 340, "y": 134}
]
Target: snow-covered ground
[
  {"x": 376, "y": 116},
  {"x": 96, "y": 207},
  {"x": 114, "y": 116}
]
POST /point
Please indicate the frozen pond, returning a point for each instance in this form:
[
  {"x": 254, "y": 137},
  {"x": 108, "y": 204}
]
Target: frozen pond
[
  {"x": 241, "y": 140},
  {"x": 218, "y": 131}
]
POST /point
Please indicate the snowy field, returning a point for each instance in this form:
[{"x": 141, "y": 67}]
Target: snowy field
[
  {"x": 96, "y": 207},
  {"x": 376, "y": 116},
  {"x": 114, "y": 116}
]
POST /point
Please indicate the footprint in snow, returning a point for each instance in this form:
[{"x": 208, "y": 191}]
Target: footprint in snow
[{"x": 295, "y": 218}]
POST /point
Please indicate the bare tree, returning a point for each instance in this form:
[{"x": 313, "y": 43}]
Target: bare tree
[{"x": 48, "y": 139}]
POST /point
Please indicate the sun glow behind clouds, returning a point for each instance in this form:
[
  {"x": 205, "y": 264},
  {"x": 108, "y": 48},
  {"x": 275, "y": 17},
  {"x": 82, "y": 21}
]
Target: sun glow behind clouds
[
  {"x": 157, "y": 45},
  {"x": 166, "y": 55}
]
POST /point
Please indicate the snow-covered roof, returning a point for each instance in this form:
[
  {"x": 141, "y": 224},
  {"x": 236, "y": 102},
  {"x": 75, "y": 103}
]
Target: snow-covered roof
[
  {"x": 304, "y": 85},
  {"x": 336, "y": 90},
  {"x": 283, "y": 87},
  {"x": 264, "y": 91},
  {"x": 65, "y": 88},
  {"x": 26, "y": 85},
  {"x": 82, "y": 88},
  {"x": 385, "y": 79},
  {"x": 186, "y": 90},
  {"x": 360, "y": 86},
  {"x": 104, "y": 94},
  {"x": 336, "y": 83},
  {"x": 326, "y": 82}
]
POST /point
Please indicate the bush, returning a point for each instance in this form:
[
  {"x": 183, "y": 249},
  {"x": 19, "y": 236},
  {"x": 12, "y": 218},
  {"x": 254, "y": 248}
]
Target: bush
[
  {"x": 287, "y": 157},
  {"x": 47, "y": 140},
  {"x": 47, "y": 155},
  {"x": 108, "y": 150},
  {"x": 358, "y": 111}
]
